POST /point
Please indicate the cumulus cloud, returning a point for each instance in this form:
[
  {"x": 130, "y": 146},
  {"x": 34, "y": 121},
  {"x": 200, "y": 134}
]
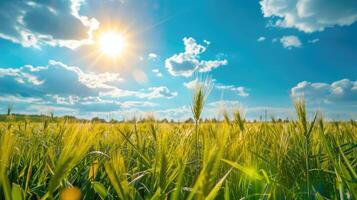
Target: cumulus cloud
[
  {"x": 290, "y": 42},
  {"x": 310, "y": 15},
  {"x": 261, "y": 39},
  {"x": 157, "y": 72},
  {"x": 240, "y": 91},
  {"x": 64, "y": 83},
  {"x": 54, "y": 78},
  {"x": 90, "y": 79},
  {"x": 22, "y": 75},
  {"x": 187, "y": 62},
  {"x": 159, "y": 92},
  {"x": 71, "y": 90},
  {"x": 55, "y": 23},
  {"x": 342, "y": 91}
]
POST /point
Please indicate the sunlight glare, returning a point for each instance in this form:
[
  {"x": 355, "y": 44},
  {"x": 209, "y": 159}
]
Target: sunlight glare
[{"x": 111, "y": 43}]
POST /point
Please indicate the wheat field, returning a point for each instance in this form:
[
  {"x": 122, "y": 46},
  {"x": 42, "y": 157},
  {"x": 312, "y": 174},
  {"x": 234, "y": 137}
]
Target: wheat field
[{"x": 232, "y": 159}]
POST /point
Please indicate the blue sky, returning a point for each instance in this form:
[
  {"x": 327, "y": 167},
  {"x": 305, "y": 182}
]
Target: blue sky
[{"x": 259, "y": 54}]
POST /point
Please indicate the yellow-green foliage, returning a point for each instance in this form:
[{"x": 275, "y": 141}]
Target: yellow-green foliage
[{"x": 263, "y": 160}]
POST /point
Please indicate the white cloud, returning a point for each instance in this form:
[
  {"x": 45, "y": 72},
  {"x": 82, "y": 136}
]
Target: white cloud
[
  {"x": 150, "y": 93},
  {"x": 160, "y": 92},
  {"x": 157, "y": 72},
  {"x": 180, "y": 113},
  {"x": 186, "y": 63},
  {"x": 241, "y": 91},
  {"x": 20, "y": 99},
  {"x": 55, "y": 23},
  {"x": 290, "y": 42},
  {"x": 191, "y": 84},
  {"x": 130, "y": 104},
  {"x": 71, "y": 90},
  {"x": 35, "y": 69},
  {"x": 342, "y": 91},
  {"x": 310, "y": 15},
  {"x": 209, "y": 65},
  {"x": 205, "y": 82},
  {"x": 31, "y": 79},
  {"x": 261, "y": 39},
  {"x": 223, "y": 105},
  {"x": 216, "y": 109},
  {"x": 56, "y": 78},
  {"x": 69, "y": 100},
  {"x": 90, "y": 79},
  {"x": 213, "y": 110},
  {"x": 313, "y": 41},
  {"x": 23, "y": 74},
  {"x": 152, "y": 56},
  {"x": 105, "y": 80},
  {"x": 95, "y": 101},
  {"x": 9, "y": 72},
  {"x": 64, "y": 83},
  {"x": 53, "y": 108}
]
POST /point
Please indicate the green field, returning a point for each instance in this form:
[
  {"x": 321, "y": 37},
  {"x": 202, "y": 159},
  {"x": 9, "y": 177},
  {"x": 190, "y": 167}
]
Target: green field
[{"x": 232, "y": 159}]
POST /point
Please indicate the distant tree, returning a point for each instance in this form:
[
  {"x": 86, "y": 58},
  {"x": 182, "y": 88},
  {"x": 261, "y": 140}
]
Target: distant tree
[
  {"x": 69, "y": 117},
  {"x": 113, "y": 121},
  {"x": 189, "y": 120},
  {"x": 98, "y": 120},
  {"x": 273, "y": 119},
  {"x": 164, "y": 120}
]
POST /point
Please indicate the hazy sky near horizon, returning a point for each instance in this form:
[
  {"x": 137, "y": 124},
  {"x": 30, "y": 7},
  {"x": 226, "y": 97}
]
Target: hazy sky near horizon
[{"x": 258, "y": 54}]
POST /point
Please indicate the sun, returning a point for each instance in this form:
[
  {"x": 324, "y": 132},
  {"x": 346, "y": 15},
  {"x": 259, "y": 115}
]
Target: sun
[{"x": 111, "y": 43}]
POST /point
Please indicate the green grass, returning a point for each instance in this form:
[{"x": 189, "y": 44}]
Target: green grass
[{"x": 303, "y": 159}]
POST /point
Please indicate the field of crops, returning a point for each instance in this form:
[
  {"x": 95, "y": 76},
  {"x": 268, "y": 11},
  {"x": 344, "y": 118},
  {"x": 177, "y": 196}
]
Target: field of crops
[{"x": 232, "y": 159}]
